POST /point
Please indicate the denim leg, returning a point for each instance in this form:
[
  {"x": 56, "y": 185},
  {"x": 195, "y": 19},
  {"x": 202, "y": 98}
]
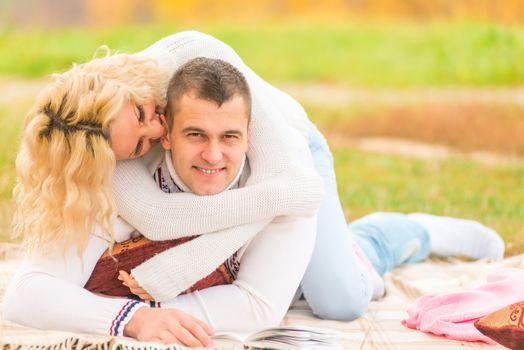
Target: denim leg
[
  {"x": 335, "y": 284},
  {"x": 390, "y": 239}
]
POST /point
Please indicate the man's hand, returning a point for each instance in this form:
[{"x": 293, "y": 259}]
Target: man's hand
[
  {"x": 168, "y": 326},
  {"x": 135, "y": 288}
]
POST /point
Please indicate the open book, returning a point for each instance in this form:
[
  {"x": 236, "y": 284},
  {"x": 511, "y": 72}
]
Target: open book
[{"x": 280, "y": 338}]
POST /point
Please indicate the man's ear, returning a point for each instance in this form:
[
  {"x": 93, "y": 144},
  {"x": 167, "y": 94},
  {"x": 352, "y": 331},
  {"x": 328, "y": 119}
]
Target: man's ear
[{"x": 165, "y": 140}]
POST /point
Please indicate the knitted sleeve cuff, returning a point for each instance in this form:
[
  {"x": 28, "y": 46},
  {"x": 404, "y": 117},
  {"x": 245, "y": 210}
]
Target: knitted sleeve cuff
[{"x": 123, "y": 316}]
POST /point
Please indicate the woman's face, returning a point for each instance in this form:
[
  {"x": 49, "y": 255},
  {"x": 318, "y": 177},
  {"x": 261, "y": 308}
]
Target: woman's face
[{"x": 135, "y": 129}]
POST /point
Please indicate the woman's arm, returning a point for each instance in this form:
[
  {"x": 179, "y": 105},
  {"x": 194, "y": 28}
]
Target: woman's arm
[
  {"x": 271, "y": 269},
  {"x": 278, "y": 256},
  {"x": 47, "y": 293},
  {"x": 278, "y": 185},
  {"x": 294, "y": 192}
]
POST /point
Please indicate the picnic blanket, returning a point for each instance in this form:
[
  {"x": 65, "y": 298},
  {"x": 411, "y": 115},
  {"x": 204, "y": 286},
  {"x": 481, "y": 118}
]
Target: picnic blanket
[{"x": 379, "y": 328}]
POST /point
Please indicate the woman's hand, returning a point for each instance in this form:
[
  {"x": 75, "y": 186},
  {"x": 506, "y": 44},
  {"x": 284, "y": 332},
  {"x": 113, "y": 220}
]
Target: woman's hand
[
  {"x": 135, "y": 288},
  {"x": 168, "y": 326}
]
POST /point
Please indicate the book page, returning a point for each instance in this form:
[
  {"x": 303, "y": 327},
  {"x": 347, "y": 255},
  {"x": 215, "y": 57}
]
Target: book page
[
  {"x": 280, "y": 338},
  {"x": 230, "y": 340}
]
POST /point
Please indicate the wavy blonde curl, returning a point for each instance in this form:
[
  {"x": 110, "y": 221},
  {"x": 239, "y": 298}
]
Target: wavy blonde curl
[{"x": 65, "y": 163}]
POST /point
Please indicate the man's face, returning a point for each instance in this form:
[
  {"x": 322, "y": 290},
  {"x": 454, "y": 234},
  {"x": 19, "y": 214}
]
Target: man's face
[{"x": 208, "y": 142}]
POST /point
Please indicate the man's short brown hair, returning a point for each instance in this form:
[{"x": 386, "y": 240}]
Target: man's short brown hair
[{"x": 211, "y": 79}]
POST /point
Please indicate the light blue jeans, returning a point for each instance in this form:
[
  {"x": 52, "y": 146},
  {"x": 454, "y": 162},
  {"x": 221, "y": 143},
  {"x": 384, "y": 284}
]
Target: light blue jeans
[{"x": 336, "y": 285}]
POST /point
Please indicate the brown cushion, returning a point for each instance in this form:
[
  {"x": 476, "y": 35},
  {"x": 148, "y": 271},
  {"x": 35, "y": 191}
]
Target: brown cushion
[
  {"x": 505, "y": 326},
  {"x": 131, "y": 253}
]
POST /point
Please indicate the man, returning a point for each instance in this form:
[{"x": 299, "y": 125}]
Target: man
[{"x": 208, "y": 115}]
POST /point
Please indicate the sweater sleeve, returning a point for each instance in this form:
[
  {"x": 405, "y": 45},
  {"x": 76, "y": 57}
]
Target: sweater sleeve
[
  {"x": 169, "y": 273},
  {"x": 278, "y": 185},
  {"x": 208, "y": 214},
  {"x": 271, "y": 269},
  {"x": 47, "y": 293}
]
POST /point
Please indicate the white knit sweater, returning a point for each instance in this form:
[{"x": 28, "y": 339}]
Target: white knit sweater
[{"x": 282, "y": 182}]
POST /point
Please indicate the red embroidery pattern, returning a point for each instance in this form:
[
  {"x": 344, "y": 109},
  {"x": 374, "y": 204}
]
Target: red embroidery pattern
[{"x": 516, "y": 316}]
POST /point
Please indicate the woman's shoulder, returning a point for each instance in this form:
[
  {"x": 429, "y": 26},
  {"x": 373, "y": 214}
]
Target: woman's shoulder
[
  {"x": 184, "y": 38},
  {"x": 176, "y": 49}
]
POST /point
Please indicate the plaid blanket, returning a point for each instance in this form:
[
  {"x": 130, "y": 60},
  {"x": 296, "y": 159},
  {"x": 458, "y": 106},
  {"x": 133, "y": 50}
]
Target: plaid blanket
[{"x": 379, "y": 328}]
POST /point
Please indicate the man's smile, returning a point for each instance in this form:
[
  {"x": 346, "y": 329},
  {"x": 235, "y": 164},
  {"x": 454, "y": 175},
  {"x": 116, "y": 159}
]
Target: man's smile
[{"x": 207, "y": 171}]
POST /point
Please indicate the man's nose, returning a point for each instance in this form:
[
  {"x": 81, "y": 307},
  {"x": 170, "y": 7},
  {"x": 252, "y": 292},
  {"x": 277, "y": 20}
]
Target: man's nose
[{"x": 212, "y": 152}]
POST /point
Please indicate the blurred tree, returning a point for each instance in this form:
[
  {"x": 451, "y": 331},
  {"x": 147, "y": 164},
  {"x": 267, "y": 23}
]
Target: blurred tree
[
  {"x": 45, "y": 12},
  {"x": 102, "y": 12}
]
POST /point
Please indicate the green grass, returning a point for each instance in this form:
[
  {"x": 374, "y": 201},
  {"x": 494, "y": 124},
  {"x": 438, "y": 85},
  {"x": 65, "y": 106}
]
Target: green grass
[
  {"x": 367, "y": 54},
  {"x": 11, "y": 118},
  {"x": 495, "y": 127},
  {"x": 372, "y": 182},
  {"x": 395, "y": 54},
  {"x": 9, "y": 132},
  {"x": 10, "y": 127}
]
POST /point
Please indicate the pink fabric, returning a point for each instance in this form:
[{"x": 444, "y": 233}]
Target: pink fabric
[{"x": 453, "y": 315}]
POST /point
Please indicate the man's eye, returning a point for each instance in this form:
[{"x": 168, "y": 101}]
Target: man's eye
[{"x": 194, "y": 134}]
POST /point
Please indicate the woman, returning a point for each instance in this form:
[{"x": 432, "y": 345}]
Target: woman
[{"x": 88, "y": 107}]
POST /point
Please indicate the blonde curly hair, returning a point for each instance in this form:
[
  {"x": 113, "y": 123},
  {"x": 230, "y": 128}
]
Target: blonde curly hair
[{"x": 65, "y": 163}]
